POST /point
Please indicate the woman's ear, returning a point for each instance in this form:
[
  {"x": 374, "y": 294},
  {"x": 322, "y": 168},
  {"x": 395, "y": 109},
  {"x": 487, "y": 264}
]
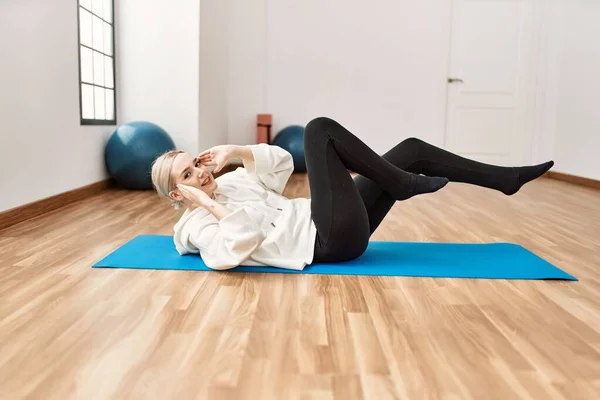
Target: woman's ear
[{"x": 175, "y": 195}]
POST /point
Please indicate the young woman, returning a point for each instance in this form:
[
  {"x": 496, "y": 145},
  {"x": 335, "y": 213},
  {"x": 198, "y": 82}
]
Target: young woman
[{"x": 241, "y": 218}]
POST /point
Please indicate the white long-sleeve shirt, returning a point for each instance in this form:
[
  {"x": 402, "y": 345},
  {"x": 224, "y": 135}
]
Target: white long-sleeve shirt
[{"x": 264, "y": 229}]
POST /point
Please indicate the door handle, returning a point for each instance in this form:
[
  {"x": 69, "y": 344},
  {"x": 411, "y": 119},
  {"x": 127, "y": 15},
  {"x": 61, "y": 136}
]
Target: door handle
[{"x": 452, "y": 80}]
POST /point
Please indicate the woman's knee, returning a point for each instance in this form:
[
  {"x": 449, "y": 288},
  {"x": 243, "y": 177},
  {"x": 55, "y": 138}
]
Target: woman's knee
[
  {"x": 319, "y": 124},
  {"x": 411, "y": 143},
  {"x": 407, "y": 151}
]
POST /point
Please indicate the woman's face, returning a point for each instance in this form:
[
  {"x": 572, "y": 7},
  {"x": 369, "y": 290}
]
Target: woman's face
[{"x": 189, "y": 171}]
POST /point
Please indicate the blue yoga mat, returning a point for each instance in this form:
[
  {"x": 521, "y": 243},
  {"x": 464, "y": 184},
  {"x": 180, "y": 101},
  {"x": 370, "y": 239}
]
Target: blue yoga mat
[{"x": 442, "y": 260}]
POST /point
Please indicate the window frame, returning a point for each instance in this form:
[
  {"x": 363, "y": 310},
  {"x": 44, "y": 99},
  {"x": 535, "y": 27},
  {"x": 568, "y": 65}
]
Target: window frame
[{"x": 94, "y": 121}]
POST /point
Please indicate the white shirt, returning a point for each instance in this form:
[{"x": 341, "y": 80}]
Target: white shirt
[{"x": 265, "y": 228}]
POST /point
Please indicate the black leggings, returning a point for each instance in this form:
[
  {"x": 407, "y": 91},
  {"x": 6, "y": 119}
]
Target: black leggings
[{"x": 347, "y": 211}]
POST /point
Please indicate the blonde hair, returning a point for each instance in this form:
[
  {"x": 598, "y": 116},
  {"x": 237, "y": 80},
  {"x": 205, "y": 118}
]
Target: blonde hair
[{"x": 162, "y": 179}]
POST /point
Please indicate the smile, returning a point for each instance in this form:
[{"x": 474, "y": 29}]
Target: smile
[{"x": 206, "y": 181}]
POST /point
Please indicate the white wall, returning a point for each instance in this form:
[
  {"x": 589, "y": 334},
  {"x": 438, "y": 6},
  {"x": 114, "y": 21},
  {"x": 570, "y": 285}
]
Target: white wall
[
  {"x": 213, "y": 90},
  {"x": 45, "y": 151},
  {"x": 547, "y": 76},
  {"x": 364, "y": 65},
  {"x": 568, "y": 91},
  {"x": 247, "y": 68},
  {"x": 385, "y": 66},
  {"x": 158, "y": 66},
  {"x": 577, "y": 132},
  {"x": 378, "y": 68}
]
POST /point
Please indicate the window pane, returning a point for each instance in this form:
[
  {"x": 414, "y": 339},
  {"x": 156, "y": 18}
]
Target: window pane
[
  {"x": 98, "y": 69},
  {"x": 98, "y": 39},
  {"x": 108, "y": 72},
  {"x": 99, "y": 103},
  {"x": 108, "y": 10},
  {"x": 98, "y": 7},
  {"x": 107, "y": 39},
  {"x": 86, "y": 3},
  {"x": 87, "y": 64},
  {"x": 85, "y": 27},
  {"x": 87, "y": 102},
  {"x": 110, "y": 104}
]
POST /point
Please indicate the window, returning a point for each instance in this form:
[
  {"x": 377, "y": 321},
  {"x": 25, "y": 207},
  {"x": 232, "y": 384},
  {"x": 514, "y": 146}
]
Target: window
[{"x": 96, "y": 62}]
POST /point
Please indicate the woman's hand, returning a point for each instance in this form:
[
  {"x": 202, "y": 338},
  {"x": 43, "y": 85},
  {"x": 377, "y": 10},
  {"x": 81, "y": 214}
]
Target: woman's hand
[
  {"x": 218, "y": 155},
  {"x": 195, "y": 195}
]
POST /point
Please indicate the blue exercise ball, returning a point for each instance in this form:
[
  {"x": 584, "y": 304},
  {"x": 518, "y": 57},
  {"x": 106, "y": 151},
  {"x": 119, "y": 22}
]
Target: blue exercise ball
[
  {"x": 291, "y": 139},
  {"x": 132, "y": 149}
]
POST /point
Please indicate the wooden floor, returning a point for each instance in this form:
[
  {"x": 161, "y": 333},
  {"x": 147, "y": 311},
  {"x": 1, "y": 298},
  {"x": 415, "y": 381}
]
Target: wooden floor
[{"x": 68, "y": 331}]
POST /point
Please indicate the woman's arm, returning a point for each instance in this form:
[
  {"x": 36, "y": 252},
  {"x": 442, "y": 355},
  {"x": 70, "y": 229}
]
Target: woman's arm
[
  {"x": 269, "y": 164},
  {"x": 218, "y": 156},
  {"x": 200, "y": 199},
  {"x": 216, "y": 209},
  {"x": 245, "y": 154}
]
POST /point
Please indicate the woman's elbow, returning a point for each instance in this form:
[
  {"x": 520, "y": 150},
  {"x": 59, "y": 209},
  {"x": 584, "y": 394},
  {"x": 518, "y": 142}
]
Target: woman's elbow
[
  {"x": 221, "y": 266},
  {"x": 234, "y": 253},
  {"x": 230, "y": 260}
]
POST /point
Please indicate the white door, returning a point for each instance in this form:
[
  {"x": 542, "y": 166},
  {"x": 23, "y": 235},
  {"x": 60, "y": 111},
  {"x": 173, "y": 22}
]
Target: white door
[{"x": 490, "y": 88}]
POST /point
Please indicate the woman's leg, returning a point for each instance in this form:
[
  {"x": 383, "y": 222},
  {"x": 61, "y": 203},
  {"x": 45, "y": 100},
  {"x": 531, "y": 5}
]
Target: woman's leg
[
  {"x": 337, "y": 207},
  {"x": 419, "y": 157}
]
